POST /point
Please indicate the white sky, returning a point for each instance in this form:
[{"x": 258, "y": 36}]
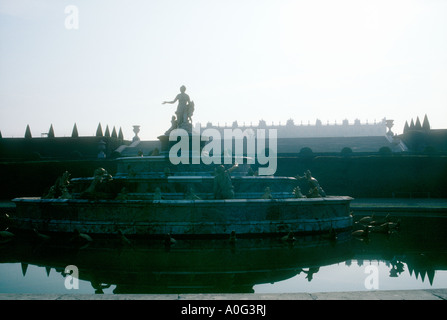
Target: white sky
[{"x": 243, "y": 60}]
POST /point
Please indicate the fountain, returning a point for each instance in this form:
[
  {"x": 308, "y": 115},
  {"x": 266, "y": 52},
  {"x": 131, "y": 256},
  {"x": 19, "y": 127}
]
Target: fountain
[{"x": 155, "y": 195}]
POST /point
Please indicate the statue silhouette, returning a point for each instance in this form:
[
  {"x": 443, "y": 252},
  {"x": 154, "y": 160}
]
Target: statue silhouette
[{"x": 185, "y": 108}]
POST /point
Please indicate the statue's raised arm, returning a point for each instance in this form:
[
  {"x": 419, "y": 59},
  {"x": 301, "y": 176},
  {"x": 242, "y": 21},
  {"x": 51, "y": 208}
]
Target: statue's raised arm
[{"x": 173, "y": 101}]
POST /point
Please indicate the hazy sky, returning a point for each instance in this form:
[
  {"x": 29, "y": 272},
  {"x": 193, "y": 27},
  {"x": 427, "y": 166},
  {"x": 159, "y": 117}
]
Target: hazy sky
[{"x": 239, "y": 59}]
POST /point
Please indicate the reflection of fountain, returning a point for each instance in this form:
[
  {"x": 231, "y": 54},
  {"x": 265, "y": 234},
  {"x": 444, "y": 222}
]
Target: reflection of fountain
[
  {"x": 187, "y": 266},
  {"x": 221, "y": 266},
  {"x": 417, "y": 246},
  {"x": 397, "y": 266}
]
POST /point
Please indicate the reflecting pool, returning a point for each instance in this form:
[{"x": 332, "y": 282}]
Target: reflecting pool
[{"x": 412, "y": 257}]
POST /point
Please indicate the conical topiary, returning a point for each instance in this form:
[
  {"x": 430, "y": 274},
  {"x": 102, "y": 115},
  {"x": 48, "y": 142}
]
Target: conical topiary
[
  {"x": 28, "y": 132},
  {"x": 406, "y": 127},
  {"x": 107, "y": 133},
  {"x": 74, "y": 133},
  {"x": 418, "y": 125},
  {"x": 425, "y": 123},
  {"x": 51, "y": 132},
  {"x": 99, "y": 131}
]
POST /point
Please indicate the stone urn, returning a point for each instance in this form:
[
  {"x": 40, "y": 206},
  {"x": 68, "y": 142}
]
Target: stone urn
[{"x": 136, "y": 130}]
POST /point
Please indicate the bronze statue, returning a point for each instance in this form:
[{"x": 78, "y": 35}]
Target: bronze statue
[
  {"x": 123, "y": 195},
  {"x": 314, "y": 187},
  {"x": 174, "y": 125},
  {"x": 223, "y": 188},
  {"x": 297, "y": 192},
  {"x": 98, "y": 186},
  {"x": 157, "y": 194},
  {"x": 60, "y": 188},
  {"x": 190, "y": 194},
  {"x": 185, "y": 108},
  {"x": 267, "y": 193}
]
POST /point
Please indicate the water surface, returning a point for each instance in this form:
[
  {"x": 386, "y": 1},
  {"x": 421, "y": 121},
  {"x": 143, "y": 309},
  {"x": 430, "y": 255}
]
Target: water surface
[{"x": 414, "y": 257}]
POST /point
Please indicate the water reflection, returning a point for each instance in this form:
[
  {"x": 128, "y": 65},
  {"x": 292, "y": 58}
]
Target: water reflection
[{"x": 222, "y": 266}]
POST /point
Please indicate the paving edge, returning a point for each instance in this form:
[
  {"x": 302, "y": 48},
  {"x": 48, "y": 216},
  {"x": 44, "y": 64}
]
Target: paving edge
[{"x": 425, "y": 294}]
